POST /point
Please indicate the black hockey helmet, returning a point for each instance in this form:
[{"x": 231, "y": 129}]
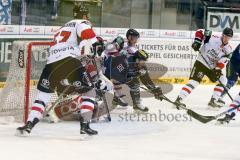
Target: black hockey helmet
[
  {"x": 132, "y": 32},
  {"x": 80, "y": 10},
  {"x": 228, "y": 32}
]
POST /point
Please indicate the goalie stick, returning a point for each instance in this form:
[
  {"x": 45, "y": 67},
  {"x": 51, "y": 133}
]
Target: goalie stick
[
  {"x": 218, "y": 79},
  {"x": 57, "y": 101},
  {"x": 199, "y": 117}
]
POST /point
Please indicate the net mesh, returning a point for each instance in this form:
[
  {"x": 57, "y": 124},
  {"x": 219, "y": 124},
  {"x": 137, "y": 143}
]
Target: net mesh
[{"x": 14, "y": 95}]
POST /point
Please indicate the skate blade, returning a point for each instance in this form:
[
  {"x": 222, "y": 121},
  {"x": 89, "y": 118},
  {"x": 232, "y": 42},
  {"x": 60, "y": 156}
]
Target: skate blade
[
  {"x": 218, "y": 123},
  {"x": 140, "y": 112},
  {"x": 20, "y": 133},
  {"x": 213, "y": 108},
  {"x": 100, "y": 120},
  {"x": 85, "y": 137},
  {"x": 118, "y": 107}
]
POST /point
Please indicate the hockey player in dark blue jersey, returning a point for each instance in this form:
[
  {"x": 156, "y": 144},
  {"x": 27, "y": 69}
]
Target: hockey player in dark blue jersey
[
  {"x": 115, "y": 68},
  {"x": 232, "y": 70},
  {"x": 125, "y": 64},
  {"x": 137, "y": 71}
]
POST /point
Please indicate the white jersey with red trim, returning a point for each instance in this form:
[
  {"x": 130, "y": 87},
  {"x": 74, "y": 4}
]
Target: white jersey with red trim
[
  {"x": 215, "y": 53},
  {"x": 67, "y": 40}
]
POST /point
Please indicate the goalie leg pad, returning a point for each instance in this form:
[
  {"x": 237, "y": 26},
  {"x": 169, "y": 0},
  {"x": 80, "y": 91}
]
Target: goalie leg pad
[{"x": 67, "y": 107}]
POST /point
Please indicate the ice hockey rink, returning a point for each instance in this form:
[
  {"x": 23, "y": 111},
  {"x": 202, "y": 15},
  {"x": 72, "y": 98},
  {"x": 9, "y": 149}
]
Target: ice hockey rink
[{"x": 141, "y": 139}]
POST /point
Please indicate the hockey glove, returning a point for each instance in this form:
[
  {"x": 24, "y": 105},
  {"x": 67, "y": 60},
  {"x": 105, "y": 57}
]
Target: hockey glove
[
  {"x": 141, "y": 55},
  {"x": 196, "y": 45},
  {"x": 217, "y": 73},
  {"x": 157, "y": 91},
  {"x": 101, "y": 85}
]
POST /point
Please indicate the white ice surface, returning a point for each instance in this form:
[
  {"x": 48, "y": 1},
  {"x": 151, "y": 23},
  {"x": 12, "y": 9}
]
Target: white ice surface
[{"x": 136, "y": 140}]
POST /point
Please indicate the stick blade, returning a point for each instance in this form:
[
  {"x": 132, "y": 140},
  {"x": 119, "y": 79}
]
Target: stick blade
[{"x": 199, "y": 117}]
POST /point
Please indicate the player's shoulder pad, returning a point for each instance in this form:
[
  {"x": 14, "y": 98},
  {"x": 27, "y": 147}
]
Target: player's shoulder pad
[
  {"x": 71, "y": 23},
  {"x": 131, "y": 49},
  {"x": 227, "y": 49},
  {"x": 86, "y": 22}
]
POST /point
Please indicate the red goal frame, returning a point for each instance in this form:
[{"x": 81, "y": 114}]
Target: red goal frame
[{"x": 28, "y": 74}]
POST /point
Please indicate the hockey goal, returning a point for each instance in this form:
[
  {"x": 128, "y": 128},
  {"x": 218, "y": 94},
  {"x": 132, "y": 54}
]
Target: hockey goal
[{"x": 19, "y": 92}]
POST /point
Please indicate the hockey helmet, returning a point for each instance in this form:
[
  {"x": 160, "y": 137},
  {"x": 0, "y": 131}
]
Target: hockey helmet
[
  {"x": 228, "y": 32},
  {"x": 119, "y": 42},
  {"x": 79, "y": 11},
  {"x": 132, "y": 32}
]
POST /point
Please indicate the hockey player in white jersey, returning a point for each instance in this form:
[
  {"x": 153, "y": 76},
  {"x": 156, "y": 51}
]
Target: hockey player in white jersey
[
  {"x": 213, "y": 56},
  {"x": 64, "y": 62}
]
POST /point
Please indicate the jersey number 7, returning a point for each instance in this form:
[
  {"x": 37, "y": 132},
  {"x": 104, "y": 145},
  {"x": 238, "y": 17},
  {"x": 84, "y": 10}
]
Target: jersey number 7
[{"x": 62, "y": 36}]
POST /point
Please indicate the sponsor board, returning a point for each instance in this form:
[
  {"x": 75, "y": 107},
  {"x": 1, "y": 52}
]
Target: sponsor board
[
  {"x": 47, "y": 32},
  {"x": 51, "y": 30},
  {"x": 177, "y": 55},
  {"x": 162, "y": 80},
  {"x": 174, "y": 34},
  {"x": 21, "y": 58},
  {"x": 9, "y": 29},
  {"x": 217, "y": 20},
  {"x": 112, "y": 32},
  {"x": 32, "y": 30},
  {"x": 149, "y": 33}
]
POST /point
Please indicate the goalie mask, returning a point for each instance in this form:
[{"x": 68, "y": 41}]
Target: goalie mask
[{"x": 81, "y": 12}]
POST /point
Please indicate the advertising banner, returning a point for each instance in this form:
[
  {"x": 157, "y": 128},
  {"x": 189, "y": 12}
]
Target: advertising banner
[{"x": 217, "y": 21}]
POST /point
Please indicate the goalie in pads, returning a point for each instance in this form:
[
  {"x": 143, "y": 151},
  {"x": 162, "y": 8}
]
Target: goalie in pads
[{"x": 64, "y": 62}]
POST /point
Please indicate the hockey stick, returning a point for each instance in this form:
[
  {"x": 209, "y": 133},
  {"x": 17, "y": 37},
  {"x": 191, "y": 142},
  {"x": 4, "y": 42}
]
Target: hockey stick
[
  {"x": 210, "y": 118},
  {"x": 218, "y": 79},
  {"x": 199, "y": 117},
  {"x": 166, "y": 99},
  {"x": 102, "y": 94},
  {"x": 57, "y": 101}
]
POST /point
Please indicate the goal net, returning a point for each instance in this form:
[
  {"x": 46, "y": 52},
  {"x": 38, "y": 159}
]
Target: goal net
[{"x": 19, "y": 92}]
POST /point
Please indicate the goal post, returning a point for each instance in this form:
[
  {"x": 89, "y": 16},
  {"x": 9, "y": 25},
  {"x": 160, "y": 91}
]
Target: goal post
[{"x": 19, "y": 92}]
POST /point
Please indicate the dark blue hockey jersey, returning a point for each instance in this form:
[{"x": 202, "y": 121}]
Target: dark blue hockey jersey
[{"x": 235, "y": 59}]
